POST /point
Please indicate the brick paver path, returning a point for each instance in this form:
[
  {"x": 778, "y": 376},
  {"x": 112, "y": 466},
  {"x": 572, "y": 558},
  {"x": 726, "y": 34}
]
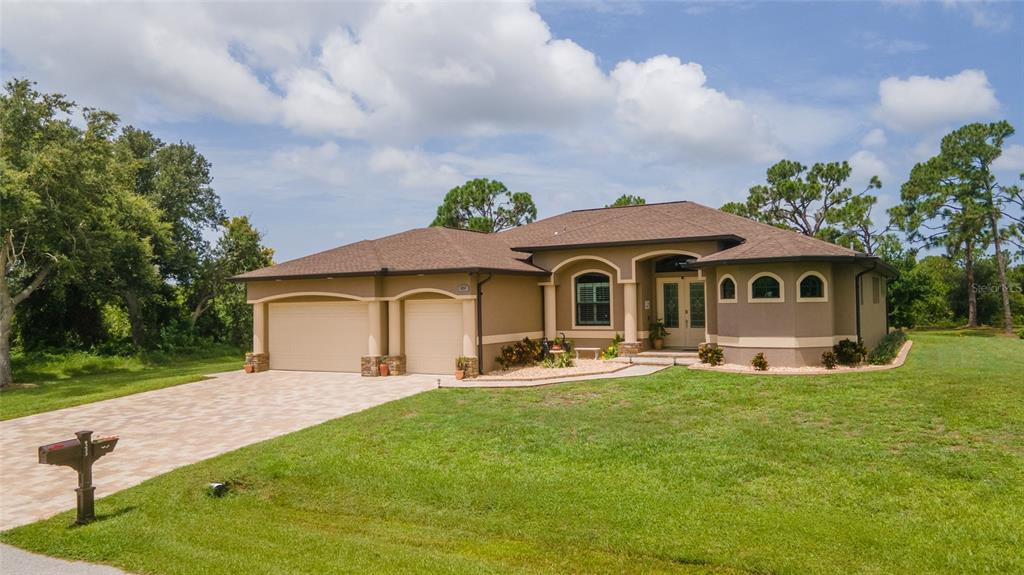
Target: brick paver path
[{"x": 168, "y": 428}]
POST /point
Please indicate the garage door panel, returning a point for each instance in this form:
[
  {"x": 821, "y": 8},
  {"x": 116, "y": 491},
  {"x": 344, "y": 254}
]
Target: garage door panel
[
  {"x": 433, "y": 335},
  {"x": 318, "y": 336}
]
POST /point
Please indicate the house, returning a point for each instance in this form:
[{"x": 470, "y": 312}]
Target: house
[{"x": 425, "y": 297}]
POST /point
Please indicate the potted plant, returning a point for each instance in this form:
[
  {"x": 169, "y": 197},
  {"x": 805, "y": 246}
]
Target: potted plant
[
  {"x": 460, "y": 367},
  {"x": 657, "y": 334},
  {"x": 383, "y": 367}
]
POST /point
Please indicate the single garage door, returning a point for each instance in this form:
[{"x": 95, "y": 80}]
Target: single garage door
[
  {"x": 318, "y": 336},
  {"x": 433, "y": 335}
]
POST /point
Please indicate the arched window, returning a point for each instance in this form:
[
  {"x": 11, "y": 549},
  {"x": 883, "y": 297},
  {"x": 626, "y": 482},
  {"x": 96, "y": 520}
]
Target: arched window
[
  {"x": 765, "y": 287},
  {"x": 812, "y": 287},
  {"x": 593, "y": 299},
  {"x": 727, "y": 289}
]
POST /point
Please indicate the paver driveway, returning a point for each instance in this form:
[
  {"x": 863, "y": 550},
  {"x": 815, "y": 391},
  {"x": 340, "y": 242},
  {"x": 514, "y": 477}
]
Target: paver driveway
[{"x": 167, "y": 428}]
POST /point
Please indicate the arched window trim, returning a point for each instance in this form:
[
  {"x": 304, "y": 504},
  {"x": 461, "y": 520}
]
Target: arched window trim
[
  {"x": 611, "y": 300},
  {"x": 750, "y": 289},
  {"x": 824, "y": 287},
  {"x": 735, "y": 287}
]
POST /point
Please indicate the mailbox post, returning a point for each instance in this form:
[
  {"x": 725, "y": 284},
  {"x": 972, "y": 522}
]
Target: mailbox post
[{"x": 79, "y": 454}]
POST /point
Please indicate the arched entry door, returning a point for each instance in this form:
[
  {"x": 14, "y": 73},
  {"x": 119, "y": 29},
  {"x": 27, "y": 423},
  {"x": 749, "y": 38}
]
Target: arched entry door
[{"x": 681, "y": 305}]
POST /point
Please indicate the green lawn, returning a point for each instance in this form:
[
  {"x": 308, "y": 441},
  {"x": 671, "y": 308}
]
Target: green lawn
[
  {"x": 915, "y": 470},
  {"x": 45, "y": 382}
]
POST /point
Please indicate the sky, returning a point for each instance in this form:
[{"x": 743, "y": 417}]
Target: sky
[{"x": 329, "y": 123}]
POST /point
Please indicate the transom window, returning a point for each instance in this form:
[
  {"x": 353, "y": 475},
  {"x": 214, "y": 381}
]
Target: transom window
[
  {"x": 812, "y": 287},
  {"x": 766, "y": 287},
  {"x": 672, "y": 264},
  {"x": 728, "y": 289},
  {"x": 593, "y": 299}
]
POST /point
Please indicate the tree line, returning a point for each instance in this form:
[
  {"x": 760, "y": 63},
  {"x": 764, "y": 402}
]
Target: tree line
[
  {"x": 952, "y": 203},
  {"x": 110, "y": 238}
]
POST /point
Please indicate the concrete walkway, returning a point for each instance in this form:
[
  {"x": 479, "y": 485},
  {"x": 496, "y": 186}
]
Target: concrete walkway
[
  {"x": 14, "y": 561},
  {"x": 165, "y": 429},
  {"x": 631, "y": 371}
]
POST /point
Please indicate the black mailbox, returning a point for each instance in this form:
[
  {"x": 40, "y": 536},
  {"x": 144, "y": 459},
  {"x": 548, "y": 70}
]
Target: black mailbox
[{"x": 79, "y": 454}]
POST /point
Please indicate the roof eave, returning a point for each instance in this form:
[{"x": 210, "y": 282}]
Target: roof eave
[
  {"x": 500, "y": 271},
  {"x": 719, "y": 237},
  {"x": 806, "y": 258}
]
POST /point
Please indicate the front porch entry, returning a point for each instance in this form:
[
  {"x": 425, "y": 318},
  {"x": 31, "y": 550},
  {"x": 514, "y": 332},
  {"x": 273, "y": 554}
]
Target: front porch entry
[{"x": 681, "y": 305}]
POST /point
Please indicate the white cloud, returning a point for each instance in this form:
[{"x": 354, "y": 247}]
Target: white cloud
[
  {"x": 922, "y": 102},
  {"x": 985, "y": 15},
  {"x": 1012, "y": 159},
  {"x": 415, "y": 169},
  {"x": 891, "y": 46},
  {"x": 153, "y": 62},
  {"x": 323, "y": 162},
  {"x": 864, "y": 164},
  {"x": 876, "y": 138},
  {"x": 666, "y": 102},
  {"x": 804, "y": 129},
  {"x": 445, "y": 68}
]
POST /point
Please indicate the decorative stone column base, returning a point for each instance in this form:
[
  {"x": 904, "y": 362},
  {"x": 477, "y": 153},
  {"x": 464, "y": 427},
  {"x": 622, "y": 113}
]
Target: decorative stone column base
[
  {"x": 630, "y": 348},
  {"x": 396, "y": 364},
  {"x": 473, "y": 367},
  {"x": 369, "y": 365},
  {"x": 258, "y": 361}
]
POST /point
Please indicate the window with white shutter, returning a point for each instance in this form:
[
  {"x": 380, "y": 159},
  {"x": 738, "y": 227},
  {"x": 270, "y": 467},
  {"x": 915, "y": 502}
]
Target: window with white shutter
[{"x": 593, "y": 300}]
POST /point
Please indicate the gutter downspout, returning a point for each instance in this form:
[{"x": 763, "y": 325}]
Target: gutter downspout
[
  {"x": 480, "y": 322},
  {"x": 857, "y": 294}
]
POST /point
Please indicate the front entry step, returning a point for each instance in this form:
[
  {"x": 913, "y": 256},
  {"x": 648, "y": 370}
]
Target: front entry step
[{"x": 644, "y": 359}]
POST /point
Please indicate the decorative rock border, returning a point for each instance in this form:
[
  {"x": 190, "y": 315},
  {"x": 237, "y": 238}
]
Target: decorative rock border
[
  {"x": 545, "y": 377},
  {"x": 901, "y": 357}
]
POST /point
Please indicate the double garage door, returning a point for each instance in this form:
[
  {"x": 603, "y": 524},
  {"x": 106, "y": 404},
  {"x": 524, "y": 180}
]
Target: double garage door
[{"x": 333, "y": 336}]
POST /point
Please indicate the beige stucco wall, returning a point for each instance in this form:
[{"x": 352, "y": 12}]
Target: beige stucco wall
[
  {"x": 348, "y": 286},
  {"x": 621, "y": 257},
  {"x": 565, "y": 304},
  {"x": 511, "y": 305},
  {"x": 873, "y": 315},
  {"x": 788, "y": 318}
]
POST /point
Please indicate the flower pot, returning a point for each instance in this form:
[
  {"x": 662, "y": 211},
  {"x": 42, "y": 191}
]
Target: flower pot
[
  {"x": 460, "y": 374},
  {"x": 248, "y": 368},
  {"x": 659, "y": 343},
  {"x": 383, "y": 369}
]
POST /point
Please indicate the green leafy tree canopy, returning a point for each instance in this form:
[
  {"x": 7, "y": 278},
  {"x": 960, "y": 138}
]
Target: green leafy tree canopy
[
  {"x": 485, "y": 206},
  {"x": 627, "y": 200}
]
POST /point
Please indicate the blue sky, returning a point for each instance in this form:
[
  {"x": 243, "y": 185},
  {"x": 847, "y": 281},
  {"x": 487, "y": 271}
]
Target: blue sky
[{"x": 329, "y": 123}]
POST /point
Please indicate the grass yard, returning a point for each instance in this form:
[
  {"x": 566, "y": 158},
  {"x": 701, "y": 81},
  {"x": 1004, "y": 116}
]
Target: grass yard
[
  {"x": 916, "y": 470},
  {"x": 44, "y": 382}
]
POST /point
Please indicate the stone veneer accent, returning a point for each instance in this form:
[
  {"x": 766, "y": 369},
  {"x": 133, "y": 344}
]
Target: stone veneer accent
[
  {"x": 396, "y": 364},
  {"x": 369, "y": 365},
  {"x": 627, "y": 349},
  {"x": 258, "y": 361},
  {"x": 473, "y": 369}
]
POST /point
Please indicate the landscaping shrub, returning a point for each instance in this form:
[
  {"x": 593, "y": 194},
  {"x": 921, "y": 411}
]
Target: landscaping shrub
[
  {"x": 887, "y": 349},
  {"x": 612, "y": 351},
  {"x": 850, "y": 353},
  {"x": 829, "y": 360},
  {"x": 555, "y": 360},
  {"x": 711, "y": 354},
  {"x": 759, "y": 362},
  {"x": 525, "y": 352}
]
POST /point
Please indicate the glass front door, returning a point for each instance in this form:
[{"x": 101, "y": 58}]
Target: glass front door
[{"x": 681, "y": 305}]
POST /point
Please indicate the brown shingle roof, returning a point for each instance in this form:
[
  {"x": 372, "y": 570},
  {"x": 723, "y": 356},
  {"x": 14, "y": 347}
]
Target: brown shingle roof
[
  {"x": 415, "y": 251},
  {"x": 684, "y": 220},
  {"x": 434, "y": 249}
]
